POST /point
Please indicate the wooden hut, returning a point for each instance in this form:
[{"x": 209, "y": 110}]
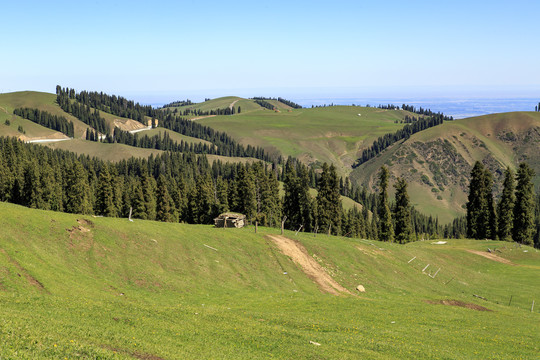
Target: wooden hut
[{"x": 230, "y": 220}]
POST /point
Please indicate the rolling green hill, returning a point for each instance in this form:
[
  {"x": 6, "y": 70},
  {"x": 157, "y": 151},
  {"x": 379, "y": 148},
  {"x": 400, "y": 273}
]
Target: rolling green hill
[
  {"x": 437, "y": 162},
  {"x": 103, "y": 288},
  {"x": 37, "y": 100},
  {"x": 329, "y": 134},
  {"x": 112, "y": 152},
  {"x": 246, "y": 105}
]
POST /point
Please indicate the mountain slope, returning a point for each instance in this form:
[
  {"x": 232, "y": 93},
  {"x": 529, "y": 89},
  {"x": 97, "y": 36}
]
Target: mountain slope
[
  {"x": 78, "y": 286},
  {"x": 333, "y": 134},
  {"x": 437, "y": 162}
]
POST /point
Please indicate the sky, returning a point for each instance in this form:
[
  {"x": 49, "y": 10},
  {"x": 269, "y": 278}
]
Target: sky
[{"x": 171, "y": 50}]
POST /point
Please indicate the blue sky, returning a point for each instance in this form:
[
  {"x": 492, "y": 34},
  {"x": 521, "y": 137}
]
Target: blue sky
[{"x": 357, "y": 48}]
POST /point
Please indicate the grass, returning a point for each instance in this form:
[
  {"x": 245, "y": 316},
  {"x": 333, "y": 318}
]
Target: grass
[
  {"x": 112, "y": 289},
  {"x": 332, "y": 134},
  {"x": 473, "y": 139},
  {"x": 174, "y": 136},
  {"x": 39, "y": 100},
  {"x": 104, "y": 151}
]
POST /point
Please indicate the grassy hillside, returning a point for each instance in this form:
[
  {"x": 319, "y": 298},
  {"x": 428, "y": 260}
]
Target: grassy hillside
[
  {"x": 437, "y": 162},
  {"x": 246, "y": 105},
  {"x": 108, "y": 152},
  {"x": 174, "y": 136},
  {"x": 331, "y": 134},
  {"x": 83, "y": 287},
  {"x": 38, "y": 100}
]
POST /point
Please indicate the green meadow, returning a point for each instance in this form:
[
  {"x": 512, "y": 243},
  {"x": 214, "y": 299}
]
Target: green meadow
[
  {"x": 328, "y": 134},
  {"x": 74, "y": 286}
]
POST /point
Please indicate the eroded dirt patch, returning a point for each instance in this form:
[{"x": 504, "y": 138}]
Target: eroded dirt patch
[
  {"x": 298, "y": 253},
  {"x": 492, "y": 256},
  {"x": 458, "y": 303}
]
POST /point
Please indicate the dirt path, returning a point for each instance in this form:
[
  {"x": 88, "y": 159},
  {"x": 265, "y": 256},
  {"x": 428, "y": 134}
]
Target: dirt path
[
  {"x": 234, "y": 102},
  {"x": 4, "y": 109},
  {"x": 310, "y": 267},
  {"x": 202, "y": 117},
  {"x": 492, "y": 256}
]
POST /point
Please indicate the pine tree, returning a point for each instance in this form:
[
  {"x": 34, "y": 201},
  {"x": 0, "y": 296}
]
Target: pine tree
[
  {"x": 77, "y": 190},
  {"x": 491, "y": 225},
  {"x": 329, "y": 207},
  {"x": 163, "y": 203},
  {"x": 477, "y": 206},
  {"x": 524, "y": 206},
  {"x": 505, "y": 207},
  {"x": 149, "y": 190},
  {"x": 386, "y": 230},
  {"x": 246, "y": 201},
  {"x": 203, "y": 200},
  {"x": 402, "y": 213},
  {"x": 137, "y": 202},
  {"x": 105, "y": 194}
]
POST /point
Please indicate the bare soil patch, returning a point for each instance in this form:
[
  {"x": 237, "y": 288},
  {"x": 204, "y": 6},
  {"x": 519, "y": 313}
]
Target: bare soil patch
[
  {"x": 232, "y": 104},
  {"x": 298, "y": 253},
  {"x": 128, "y": 124},
  {"x": 202, "y": 117},
  {"x": 458, "y": 303},
  {"x": 492, "y": 256}
]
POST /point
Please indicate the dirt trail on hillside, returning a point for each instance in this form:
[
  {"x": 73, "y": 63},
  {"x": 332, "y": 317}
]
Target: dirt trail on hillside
[
  {"x": 202, "y": 117},
  {"x": 234, "y": 102},
  {"x": 310, "y": 267},
  {"x": 491, "y": 256}
]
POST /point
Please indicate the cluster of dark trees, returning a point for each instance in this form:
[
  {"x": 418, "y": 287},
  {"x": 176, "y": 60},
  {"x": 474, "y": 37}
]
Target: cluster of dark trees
[
  {"x": 289, "y": 103},
  {"x": 537, "y": 107},
  {"x": 516, "y": 216},
  {"x": 199, "y": 112},
  {"x": 43, "y": 118},
  {"x": 426, "y": 112},
  {"x": 111, "y": 104},
  {"x": 389, "y": 139},
  {"x": 170, "y": 187},
  {"x": 93, "y": 135},
  {"x": 261, "y": 100},
  {"x": 83, "y": 103},
  {"x": 224, "y": 144},
  {"x": 82, "y": 112},
  {"x": 183, "y": 187},
  {"x": 179, "y": 103},
  {"x": 264, "y": 104}
]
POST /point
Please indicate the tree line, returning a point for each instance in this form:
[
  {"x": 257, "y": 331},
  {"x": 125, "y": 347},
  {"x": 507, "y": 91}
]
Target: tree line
[
  {"x": 84, "y": 113},
  {"x": 180, "y": 187},
  {"x": 289, "y": 103},
  {"x": 178, "y": 103},
  {"x": 80, "y": 105},
  {"x": 516, "y": 215},
  {"x": 264, "y": 104},
  {"x": 537, "y": 107},
  {"x": 389, "y": 139},
  {"x": 43, "y": 118}
]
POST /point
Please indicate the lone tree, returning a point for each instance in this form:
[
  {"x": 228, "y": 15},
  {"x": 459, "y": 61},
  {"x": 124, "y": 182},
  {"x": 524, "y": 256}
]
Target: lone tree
[
  {"x": 505, "y": 207},
  {"x": 402, "y": 212},
  {"x": 524, "y": 207},
  {"x": 386, "y": 231}
]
